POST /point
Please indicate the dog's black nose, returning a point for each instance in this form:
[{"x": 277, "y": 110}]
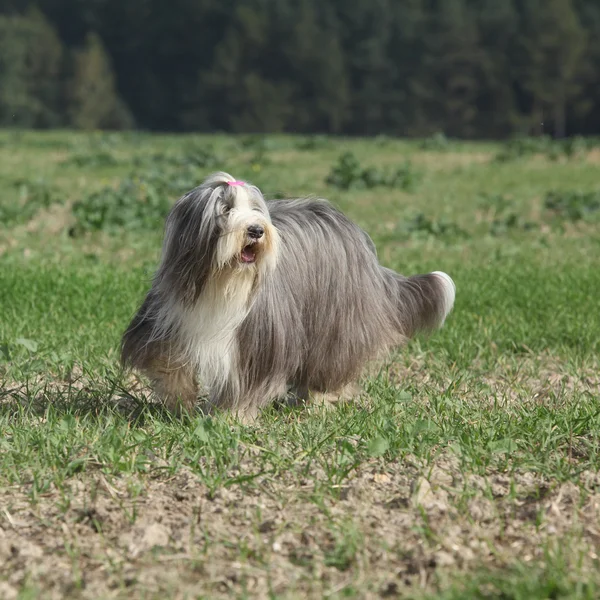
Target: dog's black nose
[{"x": 255, "y": 232}]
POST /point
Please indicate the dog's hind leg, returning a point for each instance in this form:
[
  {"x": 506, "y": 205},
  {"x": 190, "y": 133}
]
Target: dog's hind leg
[
  {"x": 296, "y": 396},
  {"x": 301, "y": 395}
]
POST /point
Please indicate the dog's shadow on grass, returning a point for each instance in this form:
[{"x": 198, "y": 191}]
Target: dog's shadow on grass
[
  {"x": 82, "y": 398},
  {"x": 101, "y": 398}
]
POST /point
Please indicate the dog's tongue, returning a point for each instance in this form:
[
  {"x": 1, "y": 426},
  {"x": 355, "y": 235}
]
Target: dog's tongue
[{"x": 248, "y": 255}]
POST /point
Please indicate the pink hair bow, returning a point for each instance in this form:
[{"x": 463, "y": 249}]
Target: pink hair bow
[{"x": 235, "y": 183}]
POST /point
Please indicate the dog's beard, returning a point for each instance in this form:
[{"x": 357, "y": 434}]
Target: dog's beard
[{"x": 236, "y": 250}]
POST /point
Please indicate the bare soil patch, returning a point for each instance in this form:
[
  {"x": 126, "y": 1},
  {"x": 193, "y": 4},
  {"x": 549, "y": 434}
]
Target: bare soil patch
[
  {"x": 510, "y": 379},
  {"x": 394, "y": 529}
]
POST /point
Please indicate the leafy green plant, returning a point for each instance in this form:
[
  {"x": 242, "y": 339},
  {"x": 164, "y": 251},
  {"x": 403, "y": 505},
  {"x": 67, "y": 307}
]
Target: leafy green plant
[
  {"x": 437, "y": 142},
  {"x": 190, "y": 156},
  {"x": 348, "y": 173},
  {"x": 97, "y": 141},
  {"x": 93, "y": 158},
  {"x": 505, "y": 218},
  {"x": 96, "y": 150},
  {"x": 524, "y": 147},
  {"x": 259, "y": 159},
  {"x": 262, "y": 143},
  {"x": 404, "y": 177},
  {"x": 573, "y": 205},
  {"x": 31, "y": 196},
  {"x": 495, "y": 203},
  {"x": 575, "y": 146},
  {"x": 313, "y": 142},
  {"x": 510, "y": 221},
  {"x": 343, "y": 546},
  {"x": 134, "y": 205},
  {"x": 142, "y": 200},
  {"x": 422, "y": 226},
  {"x": 382, "y": 140}
]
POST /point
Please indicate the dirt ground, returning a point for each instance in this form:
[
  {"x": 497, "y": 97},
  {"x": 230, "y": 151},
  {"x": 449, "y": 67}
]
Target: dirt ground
[{"x": 394, "y": 530}]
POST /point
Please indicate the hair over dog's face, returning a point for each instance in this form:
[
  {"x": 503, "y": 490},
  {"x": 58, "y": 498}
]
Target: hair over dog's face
[{"x": 217, "y": 229}]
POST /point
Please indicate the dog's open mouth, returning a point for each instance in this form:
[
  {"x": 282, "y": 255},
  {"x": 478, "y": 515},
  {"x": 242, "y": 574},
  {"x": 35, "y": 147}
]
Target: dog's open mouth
[{"x": 248, "y": 254}]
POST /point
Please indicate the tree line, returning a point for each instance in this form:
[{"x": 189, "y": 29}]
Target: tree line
[{"x": 467, "y": 68}]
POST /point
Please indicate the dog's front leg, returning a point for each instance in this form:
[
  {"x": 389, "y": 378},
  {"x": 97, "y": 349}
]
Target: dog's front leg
[{"x": 175, "y": 384}]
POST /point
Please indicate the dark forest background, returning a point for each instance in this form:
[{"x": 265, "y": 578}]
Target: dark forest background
[{"x": 467, "y": 68}]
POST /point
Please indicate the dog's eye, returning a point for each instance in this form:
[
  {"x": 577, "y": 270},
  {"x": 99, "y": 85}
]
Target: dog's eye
[{"x": 225, "y": 208}]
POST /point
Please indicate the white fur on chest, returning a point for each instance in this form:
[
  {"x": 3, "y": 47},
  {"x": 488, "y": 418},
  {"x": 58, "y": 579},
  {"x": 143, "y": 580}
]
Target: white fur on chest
[{"x": 207, "y": 330}]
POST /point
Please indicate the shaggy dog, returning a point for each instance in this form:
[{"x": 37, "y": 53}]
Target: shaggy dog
[{"x": 259, "y": 299}]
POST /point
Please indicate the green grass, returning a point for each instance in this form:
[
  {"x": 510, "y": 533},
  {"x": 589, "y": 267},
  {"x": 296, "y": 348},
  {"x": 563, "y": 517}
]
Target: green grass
[{"x": 467, "y": 468}]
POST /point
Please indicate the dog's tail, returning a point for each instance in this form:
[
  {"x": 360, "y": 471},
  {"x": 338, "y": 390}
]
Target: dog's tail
[{"x": 422, "y": 301}]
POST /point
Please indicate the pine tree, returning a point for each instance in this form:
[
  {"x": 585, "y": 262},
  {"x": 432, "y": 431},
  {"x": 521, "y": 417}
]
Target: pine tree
[
  {"x": 452, "y": 70},
  {"x": 312, "y": 65},
  {"x": 586, "y": 112},
  {"x": 406, "y": 49},
  {"x": 498, "y": 24},
  {"x": 470, "y": 68},
  {"x": 552, "y": 44},
  {"x": 30, "y": 68},
  {"x": 95, "y": 103},
  {"x": 366, "y": 32},
  {"x": 45, "y": 70},
  {"x": 247, "y": 99}
]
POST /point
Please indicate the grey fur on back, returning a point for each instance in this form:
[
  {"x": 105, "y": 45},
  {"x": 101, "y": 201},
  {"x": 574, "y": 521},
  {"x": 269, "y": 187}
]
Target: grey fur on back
[{"x": 329, "y": 307}]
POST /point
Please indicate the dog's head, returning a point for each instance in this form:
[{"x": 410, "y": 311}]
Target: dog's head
[{"x": 220, "y": 228}]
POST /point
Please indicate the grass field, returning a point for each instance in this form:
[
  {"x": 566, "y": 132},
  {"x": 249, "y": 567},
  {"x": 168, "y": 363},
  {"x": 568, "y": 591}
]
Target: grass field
[{"x": 468, "y": 466}]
